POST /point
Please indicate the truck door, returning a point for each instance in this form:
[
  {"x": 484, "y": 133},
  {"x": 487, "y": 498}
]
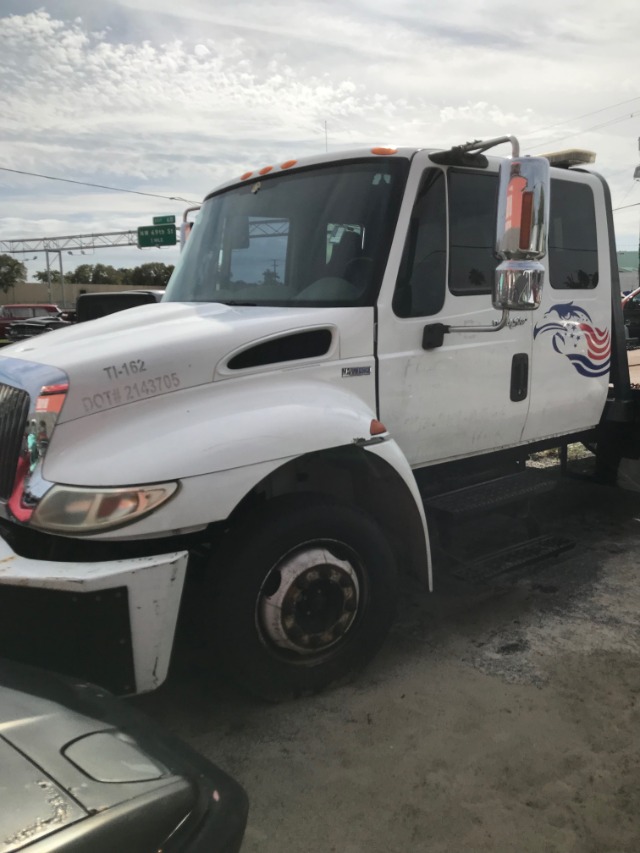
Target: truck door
[
  {"x": 471, "y": 394},
  {"x": 572, "y": 328}
]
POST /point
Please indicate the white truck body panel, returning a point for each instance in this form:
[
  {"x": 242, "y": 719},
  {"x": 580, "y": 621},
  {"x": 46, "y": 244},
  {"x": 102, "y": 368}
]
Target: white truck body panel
[
  {"x": 451, "y": 402},
  {"x": 192, "y": 342},
  {"x": 454, "y": 402},
  {"x": 255, "y": 421},
  {"x": 562, "y": 399}
]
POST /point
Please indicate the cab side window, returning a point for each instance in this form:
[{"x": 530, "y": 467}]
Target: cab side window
[
  {"x": 473, "y": 203},
  {"x": 420, "y": 289},
  {"x": 573, "y": 254},
  {"x": 473, "y": 200}
]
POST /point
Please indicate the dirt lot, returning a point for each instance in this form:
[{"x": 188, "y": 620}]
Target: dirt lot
[{"x": 501, "y": 715}]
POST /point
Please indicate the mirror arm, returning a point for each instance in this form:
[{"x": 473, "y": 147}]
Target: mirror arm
[
  {"x": 494, "y": 327},
  {"x": 484, "y": 145},
  {"x": 433, "y": 333}
]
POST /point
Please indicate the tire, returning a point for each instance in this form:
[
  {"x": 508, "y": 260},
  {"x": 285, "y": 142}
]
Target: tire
[{"x": 306, "y": 596}]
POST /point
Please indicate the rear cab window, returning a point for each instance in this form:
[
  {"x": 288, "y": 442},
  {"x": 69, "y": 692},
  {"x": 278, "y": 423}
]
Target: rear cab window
[{"x": 573, "y": 238}]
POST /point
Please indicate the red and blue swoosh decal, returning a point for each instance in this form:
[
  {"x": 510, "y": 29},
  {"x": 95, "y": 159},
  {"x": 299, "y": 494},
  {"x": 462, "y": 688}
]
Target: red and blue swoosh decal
[{"x": 574, "y": 336}]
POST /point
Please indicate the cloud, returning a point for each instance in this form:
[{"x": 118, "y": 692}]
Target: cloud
[{"x": 175, "y": 98}]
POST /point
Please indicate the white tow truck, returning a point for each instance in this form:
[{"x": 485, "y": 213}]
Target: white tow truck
[{"x": 351, "y": 347}]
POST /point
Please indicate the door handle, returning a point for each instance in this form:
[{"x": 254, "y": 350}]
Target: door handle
[{"x": 519, "y": 377}]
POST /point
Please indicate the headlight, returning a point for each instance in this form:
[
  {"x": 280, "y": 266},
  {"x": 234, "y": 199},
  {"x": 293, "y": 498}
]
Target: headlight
[{"x": 72, "y": 509}]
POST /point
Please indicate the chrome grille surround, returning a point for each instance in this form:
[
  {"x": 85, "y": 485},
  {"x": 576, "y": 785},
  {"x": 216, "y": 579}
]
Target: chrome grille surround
[{"x": 31, "y": 397}]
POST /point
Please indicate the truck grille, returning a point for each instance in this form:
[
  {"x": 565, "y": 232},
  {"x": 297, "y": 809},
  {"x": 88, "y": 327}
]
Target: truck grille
[{"x": 14, "y": 411}]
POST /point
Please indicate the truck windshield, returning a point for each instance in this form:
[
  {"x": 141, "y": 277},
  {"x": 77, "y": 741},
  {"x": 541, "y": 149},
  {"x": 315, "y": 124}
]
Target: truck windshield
[{"x": 317, "y": 237}]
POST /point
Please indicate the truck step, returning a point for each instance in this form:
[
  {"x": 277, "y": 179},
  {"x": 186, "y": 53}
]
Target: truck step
[
  {"x": 491, "y": 495},
  {"x": 506, "y": 560}
]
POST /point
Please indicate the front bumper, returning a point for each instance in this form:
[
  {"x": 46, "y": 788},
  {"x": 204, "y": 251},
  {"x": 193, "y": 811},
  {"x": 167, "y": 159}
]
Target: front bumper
[{"x": 110, "y": 622}]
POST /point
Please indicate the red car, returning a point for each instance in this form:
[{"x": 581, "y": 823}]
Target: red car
[{"x": 13, "y": 313}]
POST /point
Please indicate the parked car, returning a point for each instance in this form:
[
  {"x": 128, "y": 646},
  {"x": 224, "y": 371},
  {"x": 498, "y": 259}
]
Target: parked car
[
  {"x": 90, "y": 306},
  {"x": 631, "y": 311},
  {"x": 22, "y": 329},
  {"x": 83, "y": 772},
  {"x": 12, "y": 313}
]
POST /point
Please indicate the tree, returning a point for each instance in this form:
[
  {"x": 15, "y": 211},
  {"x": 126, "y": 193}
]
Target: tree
[
  {"x": 270, "y": 276},
  {"x": 82, "y": 274},
  {"x": 41, "y": 275},
  {"x": 152, "y": 275},
  {"x": 105, "y": 274},
  {"x": 12, "y": 272},
  {"x": 126, "y": 276}
]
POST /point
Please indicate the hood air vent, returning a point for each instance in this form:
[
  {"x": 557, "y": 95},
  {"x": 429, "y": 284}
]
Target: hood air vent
[{"x": 290, "y": 348}]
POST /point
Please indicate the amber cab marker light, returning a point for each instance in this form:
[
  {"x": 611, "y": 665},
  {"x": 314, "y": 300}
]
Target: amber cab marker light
[
  {"x": 245, "y": 176},
  {"x": 288, "y": 164},
  {"x": 383, "y": 149},
  {"x": 62, "y": 388},
  {"x": 377, "y": 427},
  {"x": 265, "y": 170}
]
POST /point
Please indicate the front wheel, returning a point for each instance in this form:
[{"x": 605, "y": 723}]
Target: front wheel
[{"x": 307, "y": 595}]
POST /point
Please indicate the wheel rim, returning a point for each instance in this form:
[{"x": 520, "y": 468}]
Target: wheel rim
[{"x": 309, "y": 600}]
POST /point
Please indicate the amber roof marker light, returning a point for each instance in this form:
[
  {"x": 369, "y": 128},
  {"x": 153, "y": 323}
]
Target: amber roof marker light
[{"x": 377, "y": 427}]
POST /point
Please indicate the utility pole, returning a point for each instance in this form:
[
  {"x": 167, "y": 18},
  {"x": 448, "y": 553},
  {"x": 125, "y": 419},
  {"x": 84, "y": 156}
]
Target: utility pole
[
  {"x": 636, "y": 177},
  {"x": 49, "y": 283},
  {"x": 64, "y": 299},
  {"x": 46, "y": 254}
]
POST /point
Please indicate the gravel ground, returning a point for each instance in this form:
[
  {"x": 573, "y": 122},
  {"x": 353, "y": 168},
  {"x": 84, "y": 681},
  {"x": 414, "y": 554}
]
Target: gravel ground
[{"x": 501, "y": 715}]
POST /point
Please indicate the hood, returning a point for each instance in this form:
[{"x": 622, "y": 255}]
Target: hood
[
  {"x": 157, "y": 349},
  {"x": 34, "y": 805},
  {"x": 80, "y": 770}
]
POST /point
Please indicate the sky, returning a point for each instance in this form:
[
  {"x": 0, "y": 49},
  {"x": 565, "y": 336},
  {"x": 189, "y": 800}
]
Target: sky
[{"x": 166, "y": 98}]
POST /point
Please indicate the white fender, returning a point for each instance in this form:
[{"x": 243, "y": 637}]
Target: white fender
[
  {"x": 391, "y": 453},
  {"x": 211, "y": 428}
]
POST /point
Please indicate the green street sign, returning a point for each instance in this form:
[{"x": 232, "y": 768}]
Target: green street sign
[
  {"x": 156, "y": 235},
  {"x": 164, "y": 220}
]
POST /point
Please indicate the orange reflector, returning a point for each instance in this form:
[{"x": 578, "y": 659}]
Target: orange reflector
[
  {"x": 288, "y": 164},
  {"x": 526, "y": 221},
  {"x": 264, "y": 170},
  {"x": 377, "y": 427},
  {"x": 245, "y": 176},
  {"x": 380, "y": 149}
]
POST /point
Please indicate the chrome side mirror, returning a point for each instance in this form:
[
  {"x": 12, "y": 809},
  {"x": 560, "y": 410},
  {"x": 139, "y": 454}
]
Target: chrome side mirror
[{"x": 521, "y": 232}]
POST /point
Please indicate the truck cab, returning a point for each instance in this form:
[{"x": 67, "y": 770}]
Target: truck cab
[{"x": 344, "y": 339}]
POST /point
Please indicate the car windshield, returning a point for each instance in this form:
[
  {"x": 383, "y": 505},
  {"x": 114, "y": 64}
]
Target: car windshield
[{"x": 317, "y": 237}]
